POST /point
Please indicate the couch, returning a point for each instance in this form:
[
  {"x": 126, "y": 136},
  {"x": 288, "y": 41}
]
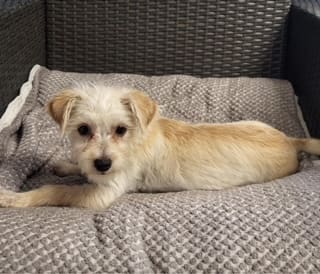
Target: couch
[{"x": 262, "y": 228}]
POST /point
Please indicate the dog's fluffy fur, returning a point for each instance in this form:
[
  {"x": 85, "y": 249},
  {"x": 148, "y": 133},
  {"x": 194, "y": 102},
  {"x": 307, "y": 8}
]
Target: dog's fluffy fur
[{"x": 155, "y": 153}]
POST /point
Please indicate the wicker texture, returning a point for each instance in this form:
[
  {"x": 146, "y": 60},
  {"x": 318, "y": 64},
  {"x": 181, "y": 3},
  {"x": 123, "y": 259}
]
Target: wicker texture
[
  {"x": 22, "y": 44},
  {"x": 203, "y": 38},
  {"x": 304, "y": 60}
]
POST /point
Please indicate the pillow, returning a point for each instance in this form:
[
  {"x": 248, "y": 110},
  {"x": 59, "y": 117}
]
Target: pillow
[
  {"x": 198, "y": 100},
  {"x": 32, "y": 142}
]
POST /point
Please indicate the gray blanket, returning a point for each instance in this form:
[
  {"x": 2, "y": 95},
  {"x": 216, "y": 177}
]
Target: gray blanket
[{"x": 270, "y": 227}]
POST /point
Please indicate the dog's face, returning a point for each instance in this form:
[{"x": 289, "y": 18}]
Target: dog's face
[{"x": 105, "y": 126}]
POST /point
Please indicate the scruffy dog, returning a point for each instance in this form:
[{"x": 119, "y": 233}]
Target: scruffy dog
[{"x": 122, "y": 144}]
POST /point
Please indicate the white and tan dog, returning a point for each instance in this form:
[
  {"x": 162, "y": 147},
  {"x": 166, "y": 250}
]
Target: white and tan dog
[{"x": 121, "y": 144}]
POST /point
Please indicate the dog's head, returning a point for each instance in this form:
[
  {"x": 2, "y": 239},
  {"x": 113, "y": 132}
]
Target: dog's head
[{"x": 105, "y": 125}]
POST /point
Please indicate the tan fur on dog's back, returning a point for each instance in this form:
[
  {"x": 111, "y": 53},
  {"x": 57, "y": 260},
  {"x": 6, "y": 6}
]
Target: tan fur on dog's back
[{"x": 215, "y": 156}]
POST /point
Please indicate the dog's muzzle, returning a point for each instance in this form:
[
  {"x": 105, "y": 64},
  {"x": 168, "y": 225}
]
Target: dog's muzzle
[{"x": 102, "y": 165}]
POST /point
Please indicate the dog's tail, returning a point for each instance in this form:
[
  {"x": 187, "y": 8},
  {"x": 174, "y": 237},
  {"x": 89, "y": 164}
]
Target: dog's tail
[{"x": 311, "y": 146}]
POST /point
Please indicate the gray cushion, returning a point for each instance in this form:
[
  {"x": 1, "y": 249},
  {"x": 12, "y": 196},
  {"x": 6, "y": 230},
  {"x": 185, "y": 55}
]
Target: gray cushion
[{"x": 269, "y": 227}]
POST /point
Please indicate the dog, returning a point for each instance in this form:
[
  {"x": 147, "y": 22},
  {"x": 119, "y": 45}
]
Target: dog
[{"x": 122, "y": 144}]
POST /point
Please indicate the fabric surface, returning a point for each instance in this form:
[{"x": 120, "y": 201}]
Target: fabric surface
[
  {"x": 16, "y": 105},
  {"x": 266, "y": 228}
]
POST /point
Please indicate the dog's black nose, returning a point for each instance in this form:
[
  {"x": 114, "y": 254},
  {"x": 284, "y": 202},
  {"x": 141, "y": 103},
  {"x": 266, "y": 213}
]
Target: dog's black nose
[{"x": 102, "y": 164}]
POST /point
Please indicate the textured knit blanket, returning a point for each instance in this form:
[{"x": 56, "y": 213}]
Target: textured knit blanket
[{"x": 270, "y": 227}]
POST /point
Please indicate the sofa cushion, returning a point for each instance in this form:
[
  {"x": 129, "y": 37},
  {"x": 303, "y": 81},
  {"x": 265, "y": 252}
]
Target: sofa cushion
[
  {"x": 270, "y": 227},
  {"x": 182, "y": 97}
]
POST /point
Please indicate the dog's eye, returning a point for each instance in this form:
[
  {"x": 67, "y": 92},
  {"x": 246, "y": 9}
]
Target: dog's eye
[
  {"x": 84, "y": 130},
  {"x": 120, "y": 130}
]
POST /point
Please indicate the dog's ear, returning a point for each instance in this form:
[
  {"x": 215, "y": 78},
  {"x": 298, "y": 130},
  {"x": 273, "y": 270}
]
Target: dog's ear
[
  {"x": 60, "y": 107},
  {"x": 142, "y": 106}
]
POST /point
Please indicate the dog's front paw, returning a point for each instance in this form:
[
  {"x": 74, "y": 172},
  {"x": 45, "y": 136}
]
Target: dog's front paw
[{"x": 63, "y": 169}]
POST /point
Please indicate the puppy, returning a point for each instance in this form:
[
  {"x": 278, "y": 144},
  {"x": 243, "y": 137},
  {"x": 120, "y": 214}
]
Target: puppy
[{"x": 122, "y": 144}]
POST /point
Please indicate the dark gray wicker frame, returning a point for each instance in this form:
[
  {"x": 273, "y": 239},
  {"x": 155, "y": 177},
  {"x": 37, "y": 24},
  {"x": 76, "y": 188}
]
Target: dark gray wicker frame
[
  {"x": 22, "y": 44},
  {"x": 303, "y": 59},
  {"x": 202, "y": 38}
]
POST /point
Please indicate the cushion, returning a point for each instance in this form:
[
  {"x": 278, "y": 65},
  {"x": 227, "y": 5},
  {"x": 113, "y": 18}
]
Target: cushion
[
  {"x": 33, "y": 141},
  {"x": 269, "y": 227}
]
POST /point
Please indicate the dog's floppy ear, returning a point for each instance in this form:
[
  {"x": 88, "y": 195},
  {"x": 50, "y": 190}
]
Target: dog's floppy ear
[
  {"x": 60, "y": 107},
  {"x": 142, "y": 106}
]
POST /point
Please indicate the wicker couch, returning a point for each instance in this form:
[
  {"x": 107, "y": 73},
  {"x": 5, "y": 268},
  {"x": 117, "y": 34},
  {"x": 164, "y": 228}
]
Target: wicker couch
[{"x": 274, "y": 39}]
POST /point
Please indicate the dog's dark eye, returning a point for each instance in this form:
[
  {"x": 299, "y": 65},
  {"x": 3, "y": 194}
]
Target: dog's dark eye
[
  {"x": 121, "y": 130},
  {"x": 84, "y": 130}
]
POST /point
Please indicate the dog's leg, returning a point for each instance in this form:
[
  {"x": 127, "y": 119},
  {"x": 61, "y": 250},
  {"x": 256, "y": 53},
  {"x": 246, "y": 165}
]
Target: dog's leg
[
  {"x": 65, "y": 168},
  {"x": 89, "y": 196}
]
